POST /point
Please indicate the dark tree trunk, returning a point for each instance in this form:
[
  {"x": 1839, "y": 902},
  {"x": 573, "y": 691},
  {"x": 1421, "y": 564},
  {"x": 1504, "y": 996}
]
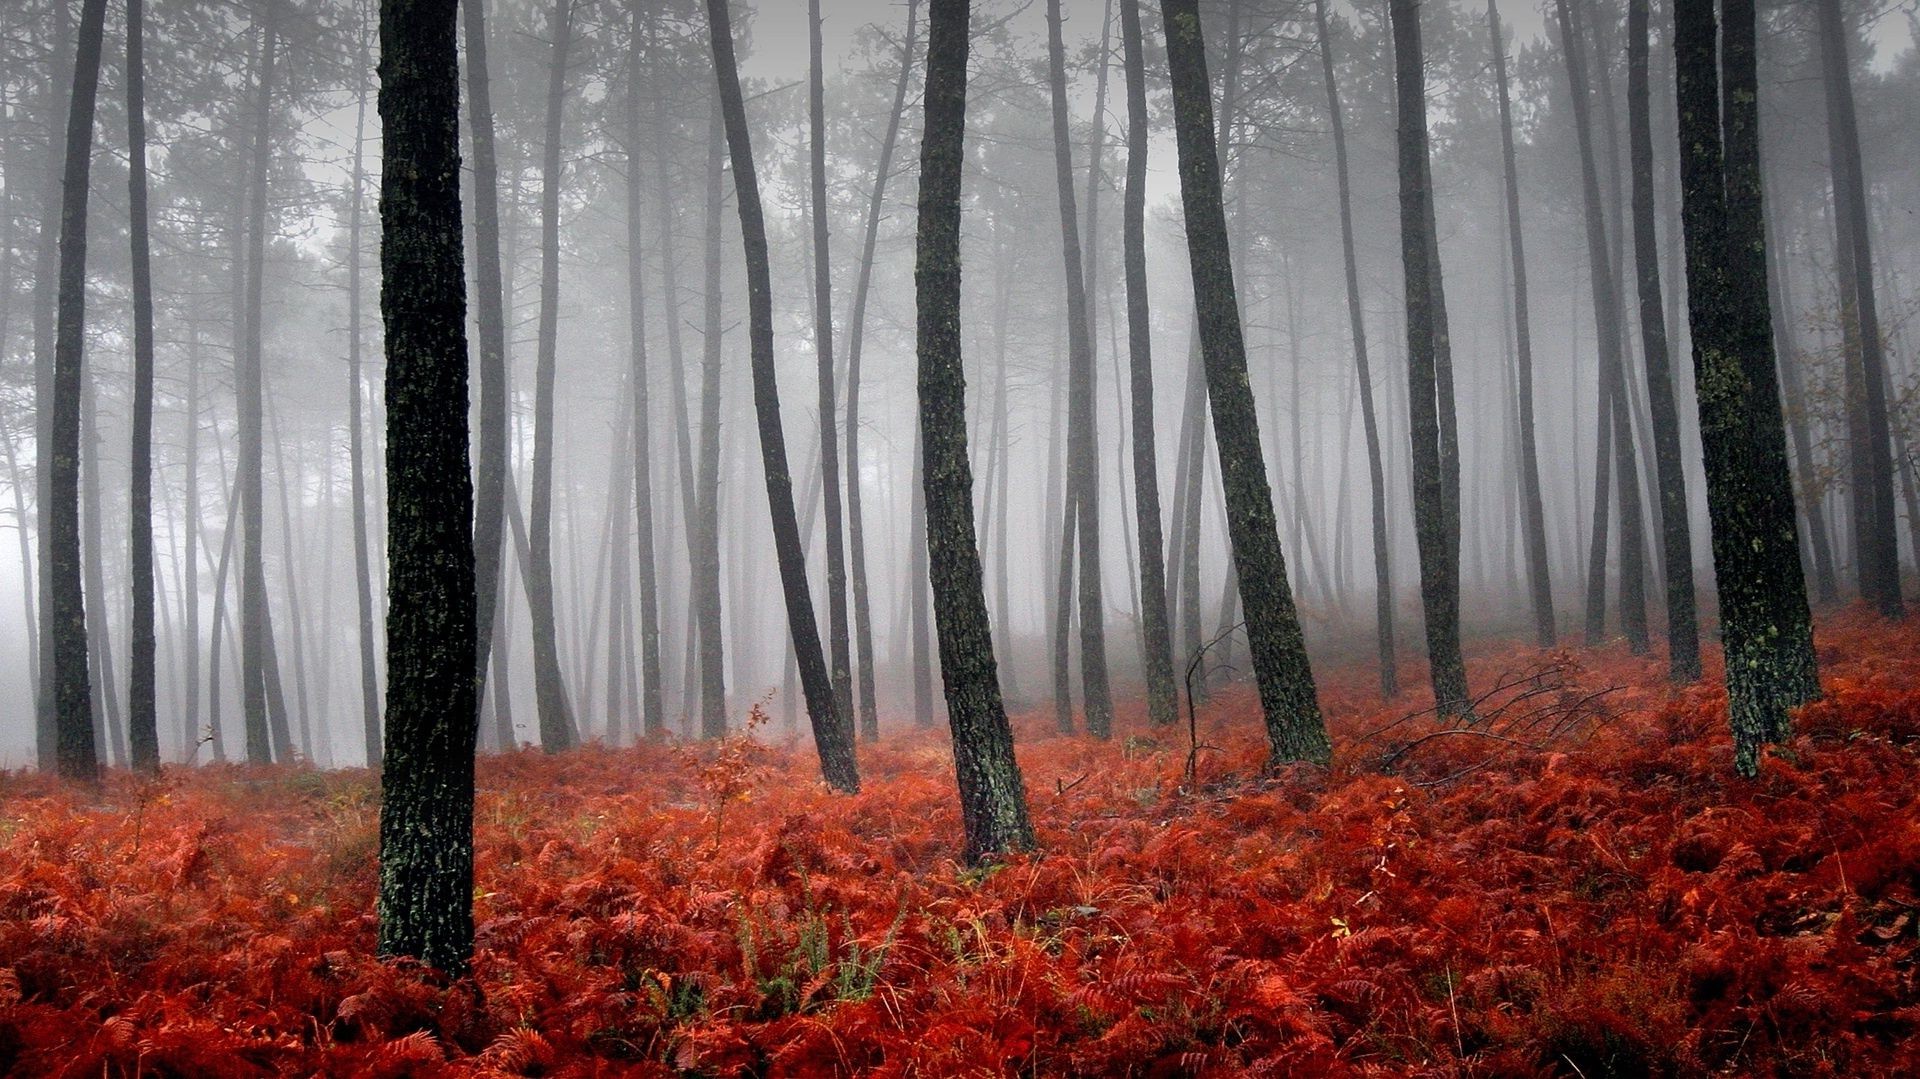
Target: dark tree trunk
[
  {"x": 1083, "y": 465},
  {"x": 356, "y": 441},
  {"x": 1533, "y": 509},
  {"x": 1435, "y": 468},
  {"x": 490, "y": 475},
  {"x": 832, "y": 737},
  {"x": 706, "y": 548},
  {"x": 550, "y": 692},
  {"x": 993, "y": 800},
  {"x": 1764, "y": 621},
  {"x": 46, "y": 287},
  {"x": 426, "y": 776},
  {"x": 255, "y": 706},
  {"x": 1295, "y": 730},
  {"x": 1612, "y": 390},
  {"x": 839, "y": 642},
  {"x": 1683, "y": 630},
  {"x": 1876, "y": 546},
  {"x": 856, "y": 333},
  {"x": 1376, "y": 470},
  {"x": 143, "y": 732},
  {"x": 1156, "y": 631},
  {"x": 65, "y": 631},
  {"x": 652, "y": 708}
]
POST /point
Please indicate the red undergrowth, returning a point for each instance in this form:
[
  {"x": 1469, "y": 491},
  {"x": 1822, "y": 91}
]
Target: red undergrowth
[{"x": 1596, "y": 894}]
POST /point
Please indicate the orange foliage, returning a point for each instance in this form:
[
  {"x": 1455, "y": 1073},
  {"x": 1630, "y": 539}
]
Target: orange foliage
[{"x": 1595, "y": 896}]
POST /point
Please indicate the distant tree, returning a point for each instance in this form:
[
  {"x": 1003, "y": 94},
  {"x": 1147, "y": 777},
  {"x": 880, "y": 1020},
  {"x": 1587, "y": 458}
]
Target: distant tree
[
  {"x": 993, "y": 798},
  {"x": 1533, "y": 510},
  {"x": 1156, "y": 633},
  {"x": 1683, "y": 628},
  {"x": 143, "y": 733},
  {"x": 706, "y": 547},
  {"x": 1876, "y": 548},
  {"x": 550, "y": 691},
  {"x": 832, "y": 738},
  {"x": 1764, "y": 621},
  {"x": 426, "y": 774},
  {"x": 1376, "y": 471},
  {"x": 65, "y": 632},
  {"x": 652, "y": 708},
  {"x": 368, "y": 640},
  {"x": 1295, "y": 730}
]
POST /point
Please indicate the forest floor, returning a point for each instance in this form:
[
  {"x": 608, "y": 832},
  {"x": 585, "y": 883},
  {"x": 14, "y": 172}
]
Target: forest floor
[{"x": 1592, "y": 893}]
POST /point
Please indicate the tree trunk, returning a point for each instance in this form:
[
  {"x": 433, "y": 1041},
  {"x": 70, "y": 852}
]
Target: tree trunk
[
  {"x": 65, "y": 631},
  {"x": 1780, "y": 299},
  {"x": 356, "y": 440},
  {"x": 652, "y": 709},
  {"x": 993, "y": 800},
  {"x": 1295, "y": 730},
  {"x": 1764, "y": 620},
  {"x": 706, "y": 551},
  {"x": 1434, "y": 503},
  {"x": 856, "y": 333},
  {"x": 1156, "y": 632},
  {"x": 918, "y": 576},
  {"x": 426, "y": 776},
  {"x": 1683, "y": 632},
  {"x": 1876, "y": 546},
  {"x": 143, "y": 733},
  {"x": 1533, "y": 510},
  {"x": 1382, "y": 550},
  {"x": 832, "y": 737},
  {"x": 550, "y": 694}
]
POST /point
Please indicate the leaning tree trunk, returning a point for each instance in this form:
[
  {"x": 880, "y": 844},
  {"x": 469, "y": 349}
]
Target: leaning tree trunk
[
  {"x": 1376, "y": 469},
  {"x": 856, "y": 533},
  {"x": 1876, "y": 547},
  {"x": 490, "y": 477},
  {"x": 1295, "y": 730},
  {"x": 356, "y": 440},
  {"x": 1434, "y": 511},
  {"x": 1156, "y": 631},
  {"x": 143, "y": 733},
  {"x": 65, "y": 631},
  {"x": 1612, "y": 389},
  {"x": 1683, "y": 630},
  {"x": 832, "y": 738},
  {"x": 993, "y": 800},
  {"x": 426, "y": 776},
  {"x": 839, "y": 643},
  {"x": 1533, "y": 507},
  {"x": 652, "y": 708},
  {"x": 1083, "y": 465},
  {"x": 550, "y": 693},
  {"x": 1765, "y": 624}
]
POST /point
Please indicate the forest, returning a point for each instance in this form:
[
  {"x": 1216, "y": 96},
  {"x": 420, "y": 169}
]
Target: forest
[{"x": 516, "y": 565}]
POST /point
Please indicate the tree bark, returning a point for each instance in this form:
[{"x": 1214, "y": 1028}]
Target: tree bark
[
  {"x": 1683, "y": 631},
  {"x": 832, "y": 738},
  {"x": 426, "y": 776},
  {"x": 143, "y": 733},
  {"x": 1295, "y": 730},
  {"x": 1764, "y": 619},
  {"x": 653, "y": 715},
  {"x": 706, "y": 550}
]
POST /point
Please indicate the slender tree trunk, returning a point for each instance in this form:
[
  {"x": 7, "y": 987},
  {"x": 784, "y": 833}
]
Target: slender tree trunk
[
  {"x": 143, "y": 732},
  {"x": 65, "y": 632},
  {"x": 993, "y": 800},
  {"x": 652, "y": 709},
  {"x": 1876, "y": 544},
  {"x": 1683, "y": 631},
  {"x": 1156, "y": 633},
  {"x": 856, "y": 333},
  {"x": 706, "y": 550},
  {"x": 1382, "y": 547},
  {"x": 1435, "y": 508},
  {"x": 550, "y": 694},
  {"x": 1295, "y": 730},
  {"x": 832, "y": 738},
  {"x": 1780, "y": 299},
  {"x": 1764, "y": 619},
  {"x": 426, "y": 803},
  {"x": 48, "y": 281},
  {"x": 918, "y": 575},
  {"x": 356, "y": 440},
  {"x": 490, "y": 478},
  {"x": 1533, "y": 509},
  {"x": 248, "y": 390},
  {"x": 107, "y": 729}
]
